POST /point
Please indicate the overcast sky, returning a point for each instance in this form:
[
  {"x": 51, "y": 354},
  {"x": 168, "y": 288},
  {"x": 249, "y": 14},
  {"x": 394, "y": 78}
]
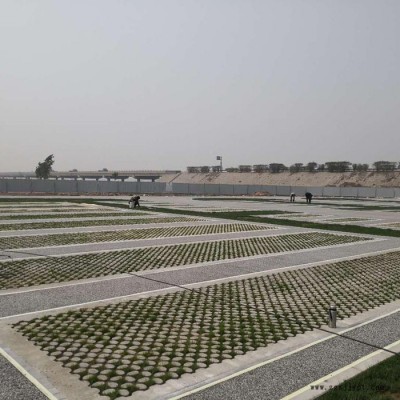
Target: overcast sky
[{"x": 165, "y": 84}]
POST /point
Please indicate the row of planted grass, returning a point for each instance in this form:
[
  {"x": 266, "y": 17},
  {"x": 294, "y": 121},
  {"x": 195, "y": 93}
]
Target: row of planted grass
[
  {"x": 22, "y": 211},
  {"x": 85, "y": 214},
  {"x": 95, "y": 222},
  {"x": 49, "y": 200},
  {"x": 123, "y": 348},
  {"x": 329, "y": 202},
  {"x": 30, "y": 272},
  {"x": 263, "y": 217},
  {"x": 31, "y": 241}
]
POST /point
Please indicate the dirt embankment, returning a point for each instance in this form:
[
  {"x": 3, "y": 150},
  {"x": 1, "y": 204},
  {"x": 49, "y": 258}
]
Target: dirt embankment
[{"x": 349, "y": 179}]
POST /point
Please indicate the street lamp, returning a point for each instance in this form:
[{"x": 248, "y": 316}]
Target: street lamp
[{"x": 219, "y": 158}]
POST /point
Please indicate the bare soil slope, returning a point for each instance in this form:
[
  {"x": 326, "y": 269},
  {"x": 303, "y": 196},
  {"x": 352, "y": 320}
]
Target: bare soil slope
[{"x": 367, "y": 179}]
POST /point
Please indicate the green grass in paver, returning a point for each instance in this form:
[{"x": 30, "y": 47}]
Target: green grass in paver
[
  {"x": 394, "y": 225},
  {"x": 42, "y": 206},
  {"x": 20, "y": 242},
  {"x": 77, "y": 215},
  {"x": 254, "y": 216},
  {"x": 30, "y": 272},
  {"x": 344, "y": 220},
  {"x": 126, "y": 347},
  {"x": 298, "y": 216},
  {"x": 57, "y": 210},
  {"x": 380, "y": 382},
  {"x": 322, "y": 201},
  {"x": 98, "y": 222}
]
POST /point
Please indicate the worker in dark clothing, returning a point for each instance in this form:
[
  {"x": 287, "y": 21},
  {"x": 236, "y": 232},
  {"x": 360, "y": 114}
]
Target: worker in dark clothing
[
  {"x": 292, "y": 197},
  {"x": 134, "y": 202},
  {"x": 308, "y": 197}
]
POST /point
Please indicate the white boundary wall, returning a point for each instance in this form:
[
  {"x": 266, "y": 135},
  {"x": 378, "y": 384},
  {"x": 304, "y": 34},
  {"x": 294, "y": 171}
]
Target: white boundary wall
[{"x": 52, "y": 186}]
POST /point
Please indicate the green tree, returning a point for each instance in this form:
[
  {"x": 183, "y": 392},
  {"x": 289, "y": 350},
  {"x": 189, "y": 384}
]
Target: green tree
[
  {"x": 245, "y": 168},
  {"x": 44, "y": 168},
  {"x": 384, "y": 166},
  {"x": 277, "y": 167},
  {"x": 311, "y": 166},
  {"x": 193, "y": 170},
  {"x": 337, "y": 166},
  {"x": 259, "y": 168},
  {"x": 296, "y": 167},
  {"x": 360, "y": 167}
]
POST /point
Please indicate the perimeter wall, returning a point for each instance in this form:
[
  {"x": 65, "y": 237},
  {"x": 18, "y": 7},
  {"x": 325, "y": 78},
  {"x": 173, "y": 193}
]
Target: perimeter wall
[{"x": 76, "y": 187}]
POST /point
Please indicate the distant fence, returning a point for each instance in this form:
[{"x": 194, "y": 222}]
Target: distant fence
[
  {"x": 52, "y": 186},
  {"x": 105, "y": 187},
  {"x": 237, "y": 190}
]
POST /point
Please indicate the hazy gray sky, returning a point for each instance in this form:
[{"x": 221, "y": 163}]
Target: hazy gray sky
[{"x": 167, "y": 83}]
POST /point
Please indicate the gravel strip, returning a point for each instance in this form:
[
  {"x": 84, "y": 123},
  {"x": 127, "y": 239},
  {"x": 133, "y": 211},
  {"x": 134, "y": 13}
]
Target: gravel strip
[{"x": 14, "y": 386}]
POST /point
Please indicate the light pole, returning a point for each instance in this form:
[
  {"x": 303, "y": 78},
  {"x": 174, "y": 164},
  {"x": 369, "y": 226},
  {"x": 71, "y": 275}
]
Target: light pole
[{"x": 219, "y": 158}]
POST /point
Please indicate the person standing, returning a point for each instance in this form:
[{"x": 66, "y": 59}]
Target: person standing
[
  {"x": 308, "y": 197},
  {"x": 292, "y": 197}
]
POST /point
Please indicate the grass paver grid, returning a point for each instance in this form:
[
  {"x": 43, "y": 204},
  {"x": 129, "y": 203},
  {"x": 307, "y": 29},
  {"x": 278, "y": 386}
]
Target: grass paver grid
[
  {"x": 19, "y": 242},
  {"x": 58, "y": 210},
  {"x": 126, "y": 347},
  {"x": 72, "y": 215},
  {"x": 37, "y": 271},
  {"x": 100, "y": 222},
  {"x": 305, "y": 216},
  {"x": 394, "y": 225},
  {"x": 350, "y": 219},
  {"x": 41, "y": 205}
]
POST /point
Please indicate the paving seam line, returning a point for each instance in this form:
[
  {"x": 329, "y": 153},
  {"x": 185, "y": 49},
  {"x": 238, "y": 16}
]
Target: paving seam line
[
  {"x": 253, "y": 367},
  {"x": 27, "y": 375},
  {"x": 340, "y": 371}
]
